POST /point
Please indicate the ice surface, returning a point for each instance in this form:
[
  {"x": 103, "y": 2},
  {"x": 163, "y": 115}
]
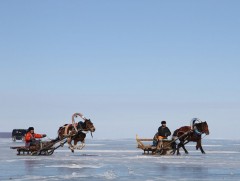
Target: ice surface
[{"x": 121, "y": 160}]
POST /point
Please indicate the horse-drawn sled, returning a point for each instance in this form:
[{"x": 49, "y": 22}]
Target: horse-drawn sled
[
  {"x": 66, "y": 134},
  {"x": 180, "y": 138}
]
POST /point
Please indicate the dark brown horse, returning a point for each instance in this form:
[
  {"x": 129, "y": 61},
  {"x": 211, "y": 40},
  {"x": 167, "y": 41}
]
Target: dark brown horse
[
  {"x": 186, "y": 134},
  {"x": 76, "y": 131}
]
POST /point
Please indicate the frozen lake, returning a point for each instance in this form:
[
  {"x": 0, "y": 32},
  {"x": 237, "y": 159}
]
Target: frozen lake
[{"x": 121, "y": 160}]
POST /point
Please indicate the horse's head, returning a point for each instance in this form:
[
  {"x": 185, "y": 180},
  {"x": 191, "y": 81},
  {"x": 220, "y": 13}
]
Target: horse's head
[
  {"x": 203, "y": 127},
  {"x": 87, "y": 125}
]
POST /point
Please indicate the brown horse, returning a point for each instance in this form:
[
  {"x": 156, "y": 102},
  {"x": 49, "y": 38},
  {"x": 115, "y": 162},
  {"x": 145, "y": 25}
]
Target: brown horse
[
  {"x": 185, "y": 134},
  {"x": 75, "y": 131}
]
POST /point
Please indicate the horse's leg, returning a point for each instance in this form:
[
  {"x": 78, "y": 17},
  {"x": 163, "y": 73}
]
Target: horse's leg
[
  {"x": 184, "y": 147},
  {"x": 75, "y": 143},
  {"x": 69, "y": 141},
  {"x": 179, "y": 145},
  {"x": 174, "y": 147},
  {"x": 83, "y": 144},
  {"x": 80, "y": 146},
  {"x": 203, "y": 152},
  {"x": 199, "y": 145}
]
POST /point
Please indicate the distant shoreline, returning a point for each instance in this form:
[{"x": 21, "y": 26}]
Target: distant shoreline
[{"x": 5, "y": 134}]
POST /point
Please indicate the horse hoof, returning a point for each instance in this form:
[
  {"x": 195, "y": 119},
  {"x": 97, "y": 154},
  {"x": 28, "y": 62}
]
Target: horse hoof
[{"x": 71, "y": 148}]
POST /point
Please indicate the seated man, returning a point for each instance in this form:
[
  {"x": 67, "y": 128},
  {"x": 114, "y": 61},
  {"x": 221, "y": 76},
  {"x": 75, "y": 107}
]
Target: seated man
[
  {"x": 163, "y": 131},
  {"x": 30, "y": 137}
]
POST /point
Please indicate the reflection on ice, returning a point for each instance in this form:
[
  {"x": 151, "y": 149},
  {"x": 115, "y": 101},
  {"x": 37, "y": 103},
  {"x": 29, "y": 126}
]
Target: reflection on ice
[{"x": 74, "y": 166}]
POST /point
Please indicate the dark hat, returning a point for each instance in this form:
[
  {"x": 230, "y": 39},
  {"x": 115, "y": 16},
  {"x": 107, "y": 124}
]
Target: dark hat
[
  {"x": 163, "y": 122},
  {"x": 30, "y": 128}
]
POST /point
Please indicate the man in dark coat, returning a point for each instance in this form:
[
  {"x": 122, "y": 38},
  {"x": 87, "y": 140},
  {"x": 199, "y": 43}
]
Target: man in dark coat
[{"x": 163, "y": 131}]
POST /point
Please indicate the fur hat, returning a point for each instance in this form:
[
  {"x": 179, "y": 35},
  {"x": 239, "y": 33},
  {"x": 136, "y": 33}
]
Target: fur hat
[{"x": 30, "y": 128}]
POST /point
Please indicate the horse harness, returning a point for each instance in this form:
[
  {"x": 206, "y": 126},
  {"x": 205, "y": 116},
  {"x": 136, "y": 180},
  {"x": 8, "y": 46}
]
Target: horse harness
[
  {"x": 72, "y": 132},
  {"x": 195, "y": 132}
]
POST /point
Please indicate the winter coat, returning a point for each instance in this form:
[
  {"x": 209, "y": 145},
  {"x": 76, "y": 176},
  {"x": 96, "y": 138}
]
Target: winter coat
[
  {"x": 30, "y": 137},
  {"x": 164, "y": 131}
]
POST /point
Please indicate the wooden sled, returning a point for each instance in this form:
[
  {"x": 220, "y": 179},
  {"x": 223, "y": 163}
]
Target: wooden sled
[
  {"x": 164, "y": 147},
  {"x": 43, "y": 148}
]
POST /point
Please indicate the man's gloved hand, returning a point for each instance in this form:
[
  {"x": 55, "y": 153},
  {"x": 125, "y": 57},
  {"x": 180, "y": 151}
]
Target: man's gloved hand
[{"x": 44, "y": 135}]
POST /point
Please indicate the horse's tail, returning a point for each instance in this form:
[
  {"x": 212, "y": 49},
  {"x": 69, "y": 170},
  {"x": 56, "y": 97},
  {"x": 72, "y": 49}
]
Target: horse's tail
[
  {"x": 175, "y": 132},
  {"x": 175, "y": 138},
  {"x": 56, "y": 139},
  {"x": 58, "y": 136}
]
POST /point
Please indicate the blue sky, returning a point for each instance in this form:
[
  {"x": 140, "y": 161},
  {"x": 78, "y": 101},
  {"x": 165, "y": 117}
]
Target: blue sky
[{"x": 127, "y": 65}]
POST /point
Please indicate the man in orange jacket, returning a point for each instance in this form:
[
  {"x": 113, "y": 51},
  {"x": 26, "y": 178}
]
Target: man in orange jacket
[{"x": 30, "y": 137}]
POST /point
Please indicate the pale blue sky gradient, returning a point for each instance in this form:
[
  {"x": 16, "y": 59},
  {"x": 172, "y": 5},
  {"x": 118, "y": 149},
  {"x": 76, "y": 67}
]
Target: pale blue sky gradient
[{"x": 127, "y": 65}]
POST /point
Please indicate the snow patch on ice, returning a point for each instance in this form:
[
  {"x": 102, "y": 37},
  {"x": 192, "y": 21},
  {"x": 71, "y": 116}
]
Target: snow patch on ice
[{"x": 110, "y": 174}]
